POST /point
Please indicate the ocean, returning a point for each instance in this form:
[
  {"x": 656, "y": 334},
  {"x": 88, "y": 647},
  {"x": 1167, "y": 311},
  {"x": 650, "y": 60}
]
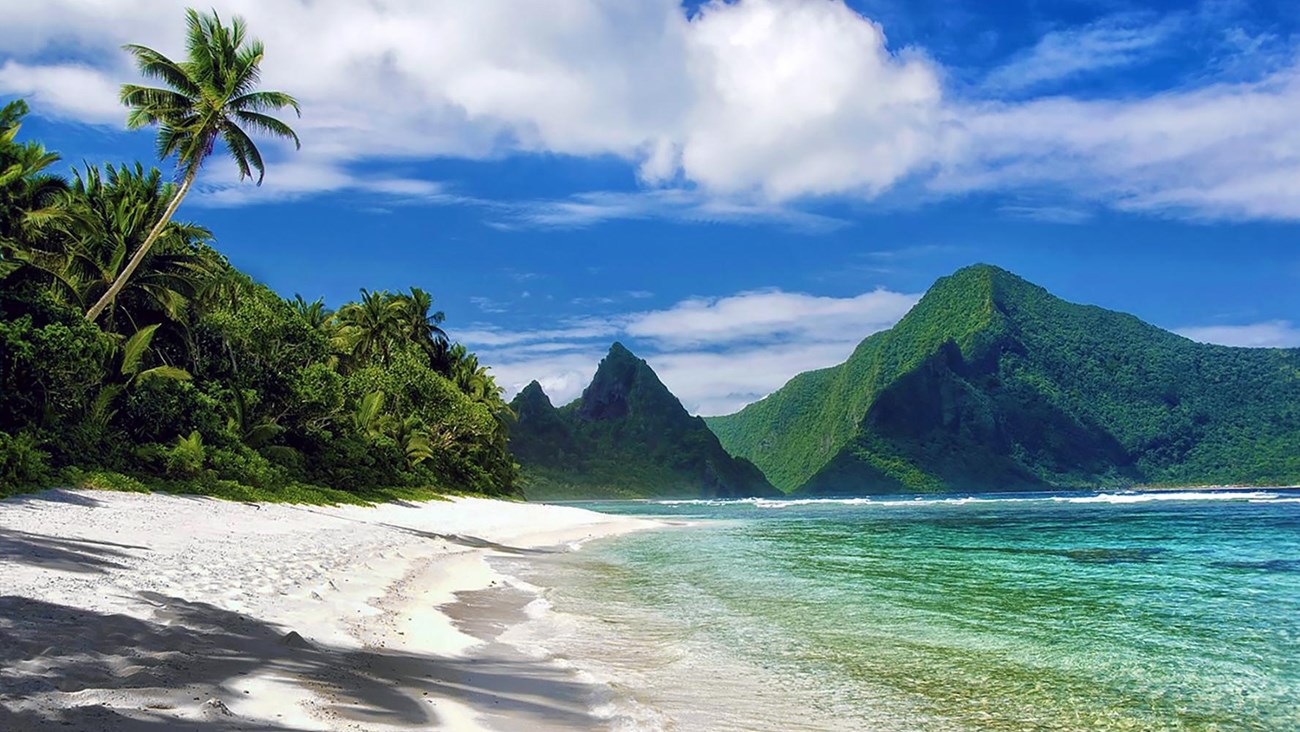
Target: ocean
[{"x": 1099, "y": 611}]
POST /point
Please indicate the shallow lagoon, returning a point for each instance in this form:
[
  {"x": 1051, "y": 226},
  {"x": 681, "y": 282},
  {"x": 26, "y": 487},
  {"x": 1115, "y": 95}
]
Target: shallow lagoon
[{"x": 1162, "y": 610}]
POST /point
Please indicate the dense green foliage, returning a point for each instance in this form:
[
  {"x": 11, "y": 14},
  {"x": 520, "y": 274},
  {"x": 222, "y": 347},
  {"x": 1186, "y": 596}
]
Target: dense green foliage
[
  {"x": 210, "y": 97},
  {"x": 199, "y": 379},
  {"x": 991, "y": 383},
  {"x": 627, "y": 436}
]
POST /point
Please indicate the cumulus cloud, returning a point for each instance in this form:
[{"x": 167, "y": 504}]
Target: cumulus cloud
[
  {"x": 1269, "y": 334},
  {"x": 803, "y": 97},
  {"x": 736, "y": 110},
  {"x": 715, "y": 354}
]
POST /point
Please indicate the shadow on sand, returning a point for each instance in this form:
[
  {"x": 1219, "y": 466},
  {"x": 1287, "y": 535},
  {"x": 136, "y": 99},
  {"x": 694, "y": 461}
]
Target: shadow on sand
[
  {"x": 57, "y": 495},
  {"x": 193, "y": 651},
  {"x": 66, "y": 554},
  {"x": 473, "y": 542}
]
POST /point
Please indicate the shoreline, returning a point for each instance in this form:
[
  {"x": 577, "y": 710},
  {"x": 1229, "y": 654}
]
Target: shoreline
[{"x": 152, "y": 612}]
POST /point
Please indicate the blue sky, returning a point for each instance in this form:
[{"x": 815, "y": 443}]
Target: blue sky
[{"x": 738, "y": 191}]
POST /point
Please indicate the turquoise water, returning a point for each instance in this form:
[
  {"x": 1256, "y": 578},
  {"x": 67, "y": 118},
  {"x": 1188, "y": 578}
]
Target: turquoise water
[{"x": 1025, "y": 612}]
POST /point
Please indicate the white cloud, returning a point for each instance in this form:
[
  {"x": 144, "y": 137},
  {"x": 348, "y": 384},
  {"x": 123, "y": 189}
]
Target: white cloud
[
  {"x": 1227, "y": 150},
  {"x": 65, "y": 90},
  {"x": 711, "y": 383},
  {"x": 574, "y": 328},
  {"x": 756, "y": 96},
  {"x": 1070, "y": 52},
  {"x": 715, "y": 354},
  {"x": 1047, "y": 213},
  {"x": 562, "y": 375},
  {"x": 802, "y": 98},
  {"x": 583, "y": 210},
  {"x": 772, "y": 315},
  {"x": 1269, "y": 334},
  {"x": 735, "y": 112}
]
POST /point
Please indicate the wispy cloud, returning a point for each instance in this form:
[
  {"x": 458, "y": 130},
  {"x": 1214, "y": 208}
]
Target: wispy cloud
[
  {"x": 1224, "y": 151},
  {"x": 311, "y": 174},
  {"x": 913, "y": 251},
  {"x": 1268, "y": 334},
  {"x": 583, "y": 210},
  {"x": 488, "y": 305},
  {"x": 770, "y": 316},
  {"x": 1047, "y": 213},
  {"x": 1064, "y": 54},
  {"x": 716, "y": 354},
  {"x": 522, "y": 277}
]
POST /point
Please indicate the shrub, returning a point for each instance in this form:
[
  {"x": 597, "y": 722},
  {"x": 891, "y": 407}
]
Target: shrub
[
  {"x": 185, "y": 459},
  {"x": 22, "y": 463},
  {"x": 103, "y": 480},
  {"x": 246, "y": 466},
  {"x": 159, "y": 410}
]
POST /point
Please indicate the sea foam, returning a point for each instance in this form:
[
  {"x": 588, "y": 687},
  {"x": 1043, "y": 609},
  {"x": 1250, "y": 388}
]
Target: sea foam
[{"x": 1122, "y": 497}]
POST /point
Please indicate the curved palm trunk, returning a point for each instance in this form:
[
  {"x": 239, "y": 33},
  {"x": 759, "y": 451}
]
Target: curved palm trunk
[{"x": 120, "y": 281}]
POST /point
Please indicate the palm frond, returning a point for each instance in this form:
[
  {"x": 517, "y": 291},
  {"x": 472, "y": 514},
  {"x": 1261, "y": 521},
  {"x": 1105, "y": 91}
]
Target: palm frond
[
  {"x": 101, "y": 411},
  {"x": 269, "y": 125},
  {"x": 164, "y": 372},
  {"x": 245, "y": 70},
  {"x": 151, "y": 105},
  {"x": 368, "y": 412},
  {"x": 134, "y": 349},
  {"x": 263, "y": 101},
  {"x": 154, "y": 65},
  {"x": 244, "y": 152}
]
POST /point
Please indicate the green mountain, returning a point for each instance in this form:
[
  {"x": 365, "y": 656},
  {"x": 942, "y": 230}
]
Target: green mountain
[
  {"x": 627, "y": 436},
  {"x": 992, "y": 383}
]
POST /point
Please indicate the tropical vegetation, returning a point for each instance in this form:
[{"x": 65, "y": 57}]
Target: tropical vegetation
[
  {"x": 627, "y": 436},
  {"x": 991, "y": 383},
  {"x": 210, "y": 97},
  {"x": 196, "y": 378}
]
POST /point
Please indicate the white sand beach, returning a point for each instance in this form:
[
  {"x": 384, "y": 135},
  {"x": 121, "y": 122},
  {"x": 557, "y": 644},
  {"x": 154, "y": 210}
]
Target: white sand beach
[{"x": 123, "y": 611}]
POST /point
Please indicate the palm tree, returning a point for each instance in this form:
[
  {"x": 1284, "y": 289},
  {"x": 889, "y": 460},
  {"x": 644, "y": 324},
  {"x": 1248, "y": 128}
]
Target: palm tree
[
  {"x": 368, "y": 329},
  {"x": 28, "y": 196},
  {"x": 104, "y": 216},
  {"x": 422, "y": 327},
  {"x": 314, "y": 313},
  {"x": 125, "y": 369},
  {"x": 226, "y": 288},
  {"x": 473, "y": 379},
  {"x": 211, "y": 97}
]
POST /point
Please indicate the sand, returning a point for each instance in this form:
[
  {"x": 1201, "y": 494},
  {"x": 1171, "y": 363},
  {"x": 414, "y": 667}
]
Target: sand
[{"x": 124, "y": 611}]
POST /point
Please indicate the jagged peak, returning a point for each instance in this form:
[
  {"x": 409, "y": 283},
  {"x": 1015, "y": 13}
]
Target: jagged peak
[
  {"x": 620, "y": 364},
  {"x": 534, "y": 395},
  {"x": 618, "y": 350},
  {"x": 619, "y": 374}
]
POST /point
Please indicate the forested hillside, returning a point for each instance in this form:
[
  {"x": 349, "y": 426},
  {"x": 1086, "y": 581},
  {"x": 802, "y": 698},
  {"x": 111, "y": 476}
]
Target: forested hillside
[
  {"x": 992, "y": 383},
  {"x": 195, "y": 377},
  {"x": 626, "y": 436}
]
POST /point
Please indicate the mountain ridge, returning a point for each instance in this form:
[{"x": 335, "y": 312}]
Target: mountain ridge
[
  {"x": 991, "y": 382},
  {"x": 626, "y": 436}
]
